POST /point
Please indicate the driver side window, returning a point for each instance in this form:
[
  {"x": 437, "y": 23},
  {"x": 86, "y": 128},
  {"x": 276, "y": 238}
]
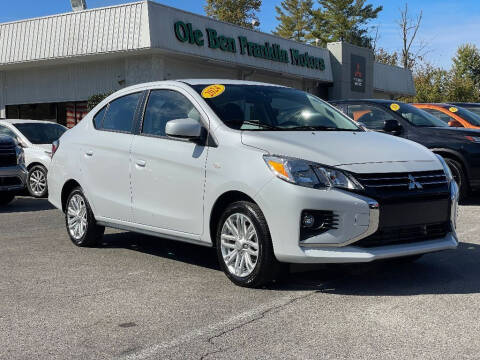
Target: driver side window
[
  {"x": 371, "y": 116},
  {"x": 163, "y": 106}
]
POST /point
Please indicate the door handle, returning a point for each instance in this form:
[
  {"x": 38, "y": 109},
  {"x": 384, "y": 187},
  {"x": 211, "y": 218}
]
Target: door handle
[
  {"x": 141, "y": 163},
  {"x": 89, "y": 153}
]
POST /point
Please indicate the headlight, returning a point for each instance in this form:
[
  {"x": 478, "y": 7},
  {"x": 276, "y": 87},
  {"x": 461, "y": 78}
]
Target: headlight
[
  {"x": 20, "y": 157},
  {"x": 446, "y": 168},
  {"x": 309, "y": 174}
]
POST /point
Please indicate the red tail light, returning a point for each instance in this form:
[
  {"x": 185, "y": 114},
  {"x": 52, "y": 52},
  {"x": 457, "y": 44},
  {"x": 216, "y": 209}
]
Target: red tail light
[{"x": 55, "y": 146}]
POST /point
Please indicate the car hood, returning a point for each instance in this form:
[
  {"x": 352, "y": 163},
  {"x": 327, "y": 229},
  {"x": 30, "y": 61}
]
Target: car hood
[{"x": 354, "y": 151}]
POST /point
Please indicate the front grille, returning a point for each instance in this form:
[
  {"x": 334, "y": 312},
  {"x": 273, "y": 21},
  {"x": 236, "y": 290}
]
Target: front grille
[
  {"x": 396, "y": 181},
  {"x": 8, "y": 156},
  {"x": 10, "y": 181},
  {"x": 396, "y": 235},
  {"x": 399, "y": 187}
]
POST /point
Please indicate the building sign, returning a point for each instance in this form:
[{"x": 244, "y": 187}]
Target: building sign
[
  {"x": 357, "y": 68},
  {"x": 186, "y": 33}
]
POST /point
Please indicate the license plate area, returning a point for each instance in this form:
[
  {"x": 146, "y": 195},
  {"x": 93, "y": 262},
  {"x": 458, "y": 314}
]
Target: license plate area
[{"x": 414, "y": 213}]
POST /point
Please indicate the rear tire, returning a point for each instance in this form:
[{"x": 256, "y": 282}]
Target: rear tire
[
  {"x": 459, "y": 176},
  {"x": 6, "y": 198},
  {"x": 244, "y": 246},
  {"x": 80, "y": 221}
]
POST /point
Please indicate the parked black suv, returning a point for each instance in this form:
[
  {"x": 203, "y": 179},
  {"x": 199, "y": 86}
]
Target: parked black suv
[
  {"x": 459, "y": 146},
  {"x": 13, "y": 174}
]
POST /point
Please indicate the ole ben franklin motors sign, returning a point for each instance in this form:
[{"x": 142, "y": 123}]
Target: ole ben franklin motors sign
[{"x": 186, "y": 33}]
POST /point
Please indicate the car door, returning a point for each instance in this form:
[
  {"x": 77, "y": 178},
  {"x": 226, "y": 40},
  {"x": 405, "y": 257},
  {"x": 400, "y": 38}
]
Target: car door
[
  {"x": 168, "y": 175},
  {"x": 106, "y": 159}
]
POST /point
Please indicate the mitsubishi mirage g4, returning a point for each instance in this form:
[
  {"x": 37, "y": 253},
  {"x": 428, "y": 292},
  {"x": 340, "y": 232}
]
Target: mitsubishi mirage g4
[{"x": 267, "y": 175}]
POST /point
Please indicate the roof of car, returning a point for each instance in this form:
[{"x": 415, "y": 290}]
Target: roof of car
[
  {"x": 444, "y": 105},
  {"x": 22, "y": 121},
  {"x": 378, "y": 101},
  {"x": 466, "y": 104}
]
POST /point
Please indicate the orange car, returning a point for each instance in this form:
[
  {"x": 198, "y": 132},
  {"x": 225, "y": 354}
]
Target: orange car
[{"x": 454, "y": 116}]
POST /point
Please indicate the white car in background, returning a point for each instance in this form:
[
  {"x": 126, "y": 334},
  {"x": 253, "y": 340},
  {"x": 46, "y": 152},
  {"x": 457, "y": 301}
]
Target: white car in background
[{"x": 36, "y": 138}]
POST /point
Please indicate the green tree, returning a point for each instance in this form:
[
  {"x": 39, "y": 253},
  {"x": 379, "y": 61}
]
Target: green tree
[
  {"x": 238, "y": 12},
  {"x": 344, "y": 20},
  {"x": 384, "y": 57},
  {"x": 295, "y": 17},
  {"x": 431, "y": 84},
  {"x": 466, "y": 63}
]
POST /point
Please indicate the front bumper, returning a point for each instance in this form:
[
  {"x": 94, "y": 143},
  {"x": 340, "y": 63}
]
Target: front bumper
[
  {"x": 358, "y": 218},
  {"x": 13, "y": 178}
]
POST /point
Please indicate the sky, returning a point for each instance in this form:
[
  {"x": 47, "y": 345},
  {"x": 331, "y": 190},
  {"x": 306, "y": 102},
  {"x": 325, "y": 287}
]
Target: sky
[{"x": 446, "y": 24}]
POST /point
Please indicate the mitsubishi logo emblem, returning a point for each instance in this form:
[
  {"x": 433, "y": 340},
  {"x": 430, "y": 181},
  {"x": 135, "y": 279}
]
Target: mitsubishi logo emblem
[{"x": 413, "y": 184}]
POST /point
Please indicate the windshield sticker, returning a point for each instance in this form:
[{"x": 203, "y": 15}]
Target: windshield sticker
[
  {"x": 213, "y": 91},
  {"x": 453, "y": 109},
  {"x": 395, "y": 107}
]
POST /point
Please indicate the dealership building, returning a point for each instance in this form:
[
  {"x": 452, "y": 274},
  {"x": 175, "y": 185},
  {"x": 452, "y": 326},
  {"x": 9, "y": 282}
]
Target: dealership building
[{"x": 50, "y": 66}]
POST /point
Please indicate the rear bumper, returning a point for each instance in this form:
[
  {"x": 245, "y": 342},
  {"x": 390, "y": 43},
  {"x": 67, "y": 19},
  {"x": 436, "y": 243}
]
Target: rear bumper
[{"x": 13, "y": 178}]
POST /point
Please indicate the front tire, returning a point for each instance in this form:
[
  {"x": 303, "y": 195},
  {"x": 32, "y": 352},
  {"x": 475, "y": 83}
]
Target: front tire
[
  {"x": 244, "y": 246},
  {"x": 80, "y": 222},
  {"x": 6, "y": 198},
  {"x": 37, "y": 181},
  {"x": 459, "y": 176}
]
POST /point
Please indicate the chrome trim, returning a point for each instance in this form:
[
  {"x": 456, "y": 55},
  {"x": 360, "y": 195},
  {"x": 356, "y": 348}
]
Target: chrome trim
[{"x": 374, "y": 211}]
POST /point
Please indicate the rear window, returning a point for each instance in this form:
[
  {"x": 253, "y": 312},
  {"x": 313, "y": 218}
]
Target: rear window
[
  {"x": 119, "y": 115},
  {"x": 41, "y": 133}
]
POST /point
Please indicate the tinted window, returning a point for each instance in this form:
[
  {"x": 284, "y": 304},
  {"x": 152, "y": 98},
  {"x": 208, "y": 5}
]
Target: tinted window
[
  {"x": 371, "y": 116},
  {"x": 121, "y": 112},
  {"x": 98, "y": 118},
  {"x": 41, "y": 133},
  {"x": 274, "y": 108},
  {"x": 437, "y": 113},
  {"x": 415, "y": 116},
  {"x": 163, "y": 106},
  {"x": 465, "y": 114},
  {"x": 6, "y": 131}
]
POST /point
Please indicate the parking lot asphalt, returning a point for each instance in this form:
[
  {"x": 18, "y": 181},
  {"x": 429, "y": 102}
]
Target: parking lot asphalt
[{"x": 139, "y": 297}]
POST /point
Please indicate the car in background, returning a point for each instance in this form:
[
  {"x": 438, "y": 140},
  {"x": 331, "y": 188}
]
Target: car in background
[
  {"x": 268, "y": 175},
  {"x": 472, "y": 107},
  {"x": 36, "y": 138},
  {"x": 13, "y": 174},
  {"x": 452, "y": 115},
  {"x": 460, "y": 147}
]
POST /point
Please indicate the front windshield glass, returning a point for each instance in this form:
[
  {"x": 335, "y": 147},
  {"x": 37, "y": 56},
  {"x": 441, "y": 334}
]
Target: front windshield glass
[
  {"x": 473, "y": 109},
  {"x": 465, "y": 114},
  {"x": 41, "y": 133},
  {"x": 273, "y": 108},
  {"x": 416, "y": 116}
]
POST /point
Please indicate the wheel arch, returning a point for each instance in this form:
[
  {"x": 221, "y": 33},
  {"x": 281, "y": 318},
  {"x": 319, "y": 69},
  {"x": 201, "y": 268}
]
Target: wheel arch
[
  {"x": 454, "y": 155},
  {"x": 35, "y": 163},
  {"x": 66, "y": 190},
  {"x": 221, "y": 204}
]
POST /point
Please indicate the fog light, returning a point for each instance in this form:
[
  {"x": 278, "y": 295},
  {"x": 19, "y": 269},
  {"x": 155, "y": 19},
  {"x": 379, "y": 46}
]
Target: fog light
[{"x": 308, "y": 220}]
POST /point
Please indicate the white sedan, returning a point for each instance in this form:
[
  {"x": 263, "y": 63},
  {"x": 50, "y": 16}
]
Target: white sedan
[{"x": 36, "y": 138}]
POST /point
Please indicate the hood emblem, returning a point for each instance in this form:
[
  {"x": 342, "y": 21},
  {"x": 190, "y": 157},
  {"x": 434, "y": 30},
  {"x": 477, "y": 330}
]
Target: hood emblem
[{"x": 413, "y": 184}]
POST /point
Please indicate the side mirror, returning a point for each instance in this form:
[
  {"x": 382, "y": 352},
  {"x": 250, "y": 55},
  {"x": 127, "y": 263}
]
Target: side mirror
[
  {"x": 392, "y": 127},
  {"x": 455, "y": 123},
  {"x": 185, "y": 129},
  {"x": 20, "y": 142}
]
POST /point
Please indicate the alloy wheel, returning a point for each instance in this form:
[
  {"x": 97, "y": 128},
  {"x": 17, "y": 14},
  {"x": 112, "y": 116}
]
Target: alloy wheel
[
  {"x": 77, "y": 216},
  {"x": 38, "y": 182},
  {"x": 239, "y": 245}
]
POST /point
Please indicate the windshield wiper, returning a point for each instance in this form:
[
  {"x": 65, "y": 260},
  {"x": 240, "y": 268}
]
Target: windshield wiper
[
  {"x": 262, "y": 125},
  {"x": 317, "y": 128}
]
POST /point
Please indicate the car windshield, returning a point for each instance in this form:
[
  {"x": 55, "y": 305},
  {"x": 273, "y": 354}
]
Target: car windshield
[
  {"x": 465, "y": 114},
  {"x": 273, "y": 108},
  {"x": 416, "y": 116},
  {"x": 41, "y": 133},
  {"x": 473, "y": 109}
]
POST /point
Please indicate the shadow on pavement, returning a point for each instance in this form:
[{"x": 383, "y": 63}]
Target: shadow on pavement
[
  {"x": 26, "y": 204},
  {"x": 448, "y": 272}
]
